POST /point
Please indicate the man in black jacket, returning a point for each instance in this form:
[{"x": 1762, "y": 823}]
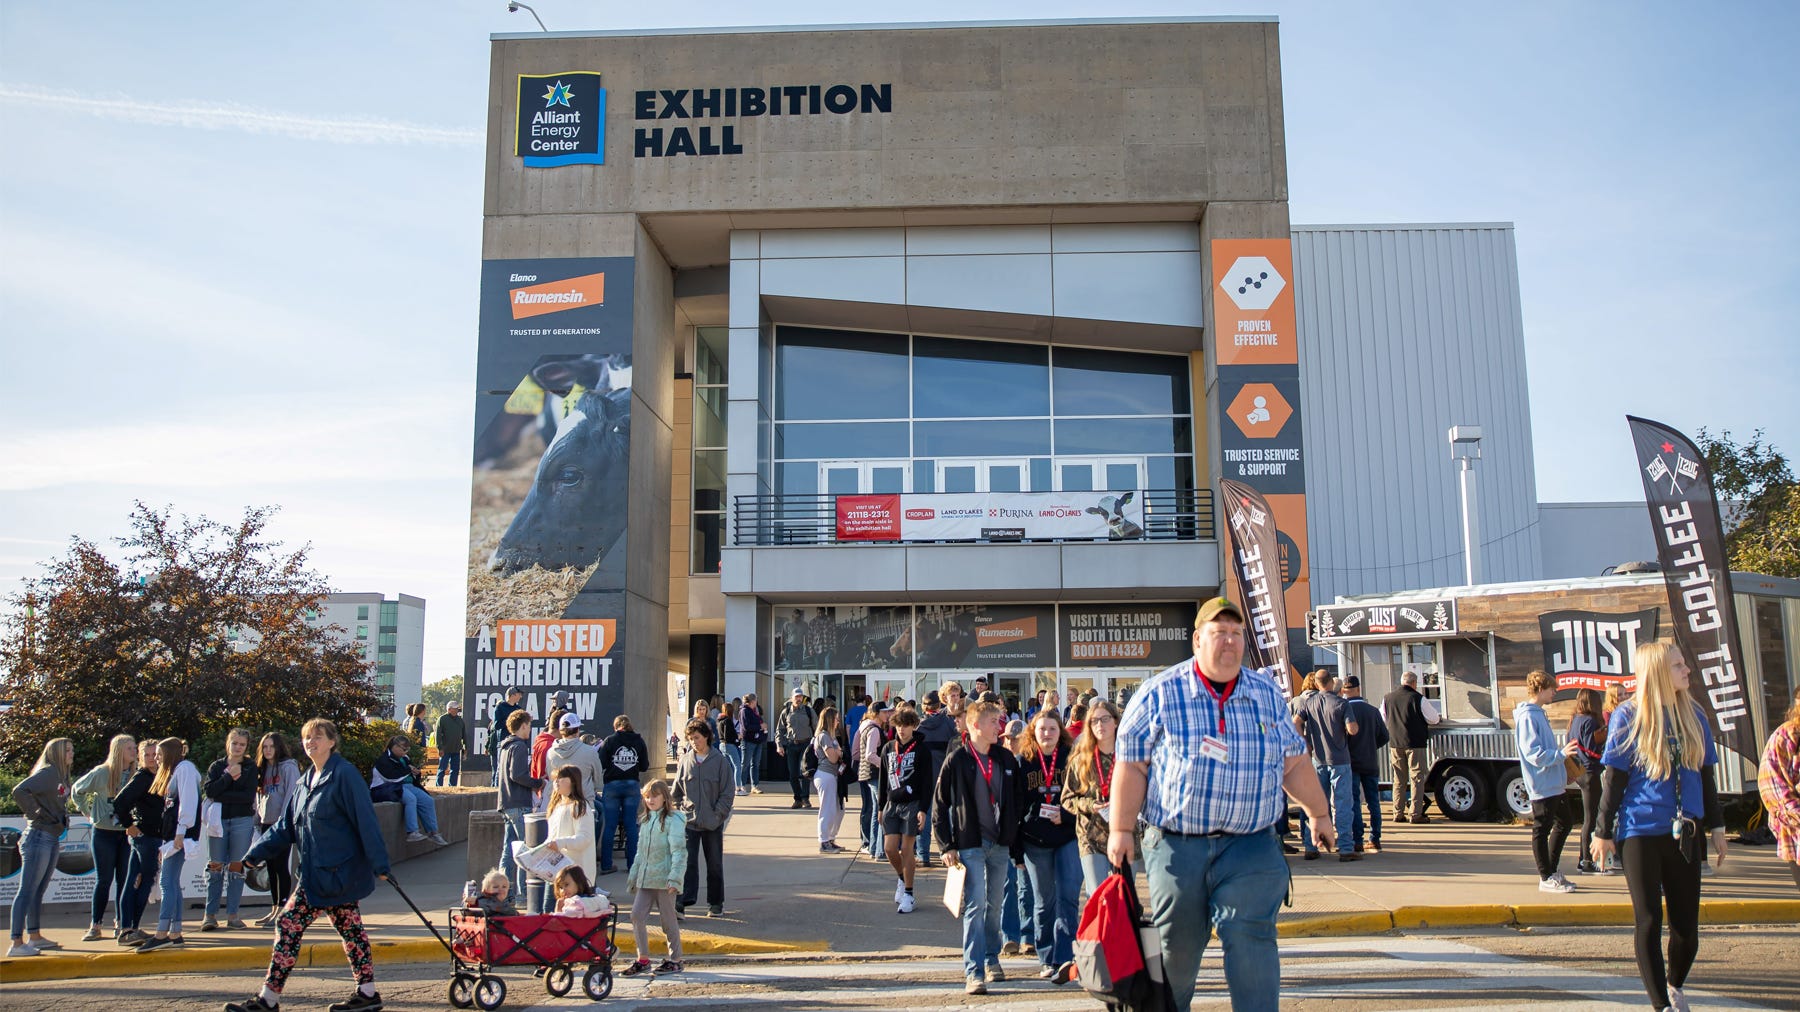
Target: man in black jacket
[
  {"x": 936, "y": 731},
  {"x": 1404, "y": 711},
  {"x": 624, "y": 756},
  {"x": 980, "y": 803}
]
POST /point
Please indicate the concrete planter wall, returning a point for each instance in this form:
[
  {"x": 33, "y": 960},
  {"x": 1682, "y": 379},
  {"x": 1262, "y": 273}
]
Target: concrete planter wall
[{"x": 453, "y": 808}]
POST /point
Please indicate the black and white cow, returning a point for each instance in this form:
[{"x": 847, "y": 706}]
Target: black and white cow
[
  {"x": 576, "y": 507},
  {"x": 555, "y": 379}
]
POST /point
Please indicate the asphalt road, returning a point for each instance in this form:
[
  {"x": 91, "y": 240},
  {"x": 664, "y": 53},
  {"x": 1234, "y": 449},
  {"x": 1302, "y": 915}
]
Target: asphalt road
[{"x": 1494, "y": 969}]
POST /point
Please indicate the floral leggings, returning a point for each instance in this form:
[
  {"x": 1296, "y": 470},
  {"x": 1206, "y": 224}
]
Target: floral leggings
[{"x": 293, "y": 922}]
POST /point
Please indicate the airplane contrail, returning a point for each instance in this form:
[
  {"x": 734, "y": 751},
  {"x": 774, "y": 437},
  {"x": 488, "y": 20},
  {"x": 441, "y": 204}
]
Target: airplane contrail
[{"x": 227, "y": 116}]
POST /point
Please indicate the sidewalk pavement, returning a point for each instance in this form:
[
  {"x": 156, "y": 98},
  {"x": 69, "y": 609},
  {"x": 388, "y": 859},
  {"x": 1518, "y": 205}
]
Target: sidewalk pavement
[{"x": 782, "y": 895}]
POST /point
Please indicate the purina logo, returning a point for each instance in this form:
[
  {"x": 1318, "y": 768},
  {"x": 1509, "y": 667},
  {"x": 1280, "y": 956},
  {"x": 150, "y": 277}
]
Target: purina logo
[
  {"x": 1253, "y": 283},
  {"x": 561, "y": 120}
]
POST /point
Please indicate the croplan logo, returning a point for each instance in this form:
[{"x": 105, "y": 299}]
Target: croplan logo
[
  {"x": 1252, "y": 283},
  {"x": 561, "y": 119}
]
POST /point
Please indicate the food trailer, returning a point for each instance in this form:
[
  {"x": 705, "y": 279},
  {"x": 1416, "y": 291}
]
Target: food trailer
[{"x": 1472, "y": 647}]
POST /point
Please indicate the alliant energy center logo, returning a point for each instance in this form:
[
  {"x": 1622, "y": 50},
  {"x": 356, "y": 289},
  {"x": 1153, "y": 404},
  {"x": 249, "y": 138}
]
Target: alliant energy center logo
[
  {"x": 560, "y": 120},
  {"x": 556, "y": 296}
]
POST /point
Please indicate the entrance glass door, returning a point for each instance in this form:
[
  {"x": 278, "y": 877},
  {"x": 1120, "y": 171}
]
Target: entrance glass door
[
  {"x": 862, "y": 477},
  {"x": 1099, "y": 474},
  {"x": 1004, "y": 475}
]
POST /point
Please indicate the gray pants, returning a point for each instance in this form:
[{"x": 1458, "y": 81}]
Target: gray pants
[
  {"x": 1409, "y": 780},
  {"x": 640, "y": 920}
]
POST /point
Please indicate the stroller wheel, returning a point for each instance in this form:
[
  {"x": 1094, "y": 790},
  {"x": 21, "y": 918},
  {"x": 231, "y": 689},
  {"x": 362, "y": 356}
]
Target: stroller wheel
[
  {"x": 462, "y": 990},
  {"x": 490, "y": 993},
  {"x": 598, "y": 981},
  {"x": 558, "y": 979}
]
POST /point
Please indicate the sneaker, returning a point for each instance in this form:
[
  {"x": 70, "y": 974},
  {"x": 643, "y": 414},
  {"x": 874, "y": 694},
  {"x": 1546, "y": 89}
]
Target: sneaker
[
  {"x": 93, "y": 934},
  {"x": 669, "y": 966},
  {"x": 716, "y": 910},
  {"x": 358, "y": 1002},
  {"x": 1064, "y": 973},
  {"x": 1560, "y": 877},
  {"x": 636, "y": 968},
  {"x": 995, "y": 974},
  {"x": 1312, "y": 855},
  {"x": 796, "y": 805},
  {"x": 255, "y": 1004},
  {"x": 1420, "y": 820},
  {"x": 438, "y": 838},
  {"x": 46, "y": 944},
  {"x": 22, "y": 949},
  {"x": 899, "y": 889},
  {"x": 153, "y": 944},
  {"x": 1288, "y": 848},
  {"x": 415, "y": 836},
  {"x": 975, "y": 985},
  {"x": 1046, "y": 972},
  {"x": 1374, "y": 848},
  {"x": 1584, "y": 867},
  {"x": 1351, "y": 856},
  {"x": 1677, "y": 1001},
  {"x": 756, "y": 790},
  {"x": 210, "y": 924},
  {"x": 1027, "y": 949},
  {"x": 1009, "y": 949},
  {"x": 1400, "y": 817},
  {"x": 237, "y": 924},
  {"x": 1359, "y": 848},
  {"x": 906, "y": 903},
  {"x": 1554, "y": 884},
  {"x": 132, "y": 937}
]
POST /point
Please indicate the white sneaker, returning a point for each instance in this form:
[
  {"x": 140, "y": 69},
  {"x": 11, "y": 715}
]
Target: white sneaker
[
  {"x": 1564, "y": 879},
  {"x": 906, "y": 903},
  {"x": 438, "y": 838},
  {"x": 1555, "y": 884},
  {"x": 22, "y": 949},
  {"x": 1677, "y": 1000},
  {"x": 899, "y": 889},
  {"x": 414, "y": 837}
]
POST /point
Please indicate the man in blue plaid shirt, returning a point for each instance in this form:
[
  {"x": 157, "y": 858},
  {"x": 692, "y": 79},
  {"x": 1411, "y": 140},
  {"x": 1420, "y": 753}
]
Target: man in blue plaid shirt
[{"x": 1204, "y": 752}]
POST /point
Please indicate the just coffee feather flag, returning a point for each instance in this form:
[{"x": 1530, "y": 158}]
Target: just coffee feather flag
[
  {"x": 1256, "y": 573},
  {"x": 1690, "y": 545}
]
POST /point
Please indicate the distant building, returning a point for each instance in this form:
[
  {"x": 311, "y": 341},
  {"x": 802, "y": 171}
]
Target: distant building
[{"x": 391, "y": 635}]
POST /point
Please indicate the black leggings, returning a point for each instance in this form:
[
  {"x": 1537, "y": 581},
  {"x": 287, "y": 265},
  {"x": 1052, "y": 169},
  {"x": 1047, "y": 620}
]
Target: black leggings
[
  {"x": 1550, "y": 825},
  {"x": 281, "y": 878},
  {"x": 1656, "y": 872},
  {"x": 1590, "y": 811}
]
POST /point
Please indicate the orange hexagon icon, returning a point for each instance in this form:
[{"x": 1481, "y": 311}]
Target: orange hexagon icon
[{"x": 1259, "y": 410}]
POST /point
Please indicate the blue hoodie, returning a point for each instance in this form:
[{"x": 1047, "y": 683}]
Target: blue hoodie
[{"x": 1540, "y": 752}]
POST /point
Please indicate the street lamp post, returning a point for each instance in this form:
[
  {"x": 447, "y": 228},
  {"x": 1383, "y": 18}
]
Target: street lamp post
[{"x": 1465, "y": 449}]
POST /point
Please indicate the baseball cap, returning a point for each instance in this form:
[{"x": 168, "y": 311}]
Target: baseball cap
[
  {"x": 454, "y": 705},
  {"x": 571, "y": 720},
  {"x": 1214, "y": 608},
  {"x": 932, "y": 700},
  {"x": 562, "y": 699},
  {"x": 799, "y": 693},
  {"x": 879, "y": 706}
]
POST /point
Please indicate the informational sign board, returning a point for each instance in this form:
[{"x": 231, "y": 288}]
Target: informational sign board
[
  {"x": 990, "y": 516},
  {"x": 1126, "y": 635}
]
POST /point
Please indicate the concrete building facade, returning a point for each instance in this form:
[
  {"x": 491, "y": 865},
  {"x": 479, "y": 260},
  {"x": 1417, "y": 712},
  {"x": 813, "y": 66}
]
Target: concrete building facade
[{"x": 389, "y": 633}]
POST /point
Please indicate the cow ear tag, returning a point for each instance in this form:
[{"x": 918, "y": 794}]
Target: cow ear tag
[
  {"x": 574, "y": 397},
  {"x": 527, "y": 398}
]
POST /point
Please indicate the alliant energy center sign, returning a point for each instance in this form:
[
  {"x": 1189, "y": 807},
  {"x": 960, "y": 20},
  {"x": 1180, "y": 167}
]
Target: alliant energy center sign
[{"x": 686, "y": 105}]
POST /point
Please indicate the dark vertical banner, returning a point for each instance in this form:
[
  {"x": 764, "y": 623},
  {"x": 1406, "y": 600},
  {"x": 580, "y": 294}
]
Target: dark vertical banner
[
  {"x": 547, "y": 538},
  {"x": 1253, "y": 545},
  {"x": 1690, "y": 545}
]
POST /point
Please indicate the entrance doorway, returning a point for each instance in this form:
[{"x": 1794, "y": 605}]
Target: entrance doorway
[{"x": 1003, "y": 475}]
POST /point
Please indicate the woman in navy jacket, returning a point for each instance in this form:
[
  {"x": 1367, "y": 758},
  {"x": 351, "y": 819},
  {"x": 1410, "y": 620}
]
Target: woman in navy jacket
[{"x": 332, "y": 821}]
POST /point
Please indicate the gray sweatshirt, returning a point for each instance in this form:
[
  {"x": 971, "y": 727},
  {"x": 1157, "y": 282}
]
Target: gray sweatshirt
[
  {"x": 572, "y": 751},
  {"x": 704, "y": 789},
  {"x": 516, "y": 784},
  {"x": 44, "y": 798}
]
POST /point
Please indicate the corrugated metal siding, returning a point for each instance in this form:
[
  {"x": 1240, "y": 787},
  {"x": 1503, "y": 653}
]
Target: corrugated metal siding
[{"x": 1404, "y": 332}]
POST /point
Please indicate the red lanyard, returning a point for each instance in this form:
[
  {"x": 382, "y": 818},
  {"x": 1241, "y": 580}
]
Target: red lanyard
[
  {"x": 1218, "y": 697},
  {"x": 1048, "y": 768},
  {"x": 987, "y": 769},
  {"x": 1104, "y": 772}
]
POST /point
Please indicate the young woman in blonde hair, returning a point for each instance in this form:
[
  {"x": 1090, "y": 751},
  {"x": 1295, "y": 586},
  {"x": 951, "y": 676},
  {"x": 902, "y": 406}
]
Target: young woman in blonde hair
[
  {"x": 1778, "y": 780},
  {"x": 44, "y": 798},
  {"x": 1659, "y": 784},
  {"x": 178, "y": 784},
  {"x": 1088, "y": 790},
  {"x": 112, "y": 848}
]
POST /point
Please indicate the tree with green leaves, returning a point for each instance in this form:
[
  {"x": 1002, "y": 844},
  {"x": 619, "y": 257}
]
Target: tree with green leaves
[
  {"x": 194, "y": 627},
  {"x": 1759, "y": 500},
  {"x": 438, "y": 694}
]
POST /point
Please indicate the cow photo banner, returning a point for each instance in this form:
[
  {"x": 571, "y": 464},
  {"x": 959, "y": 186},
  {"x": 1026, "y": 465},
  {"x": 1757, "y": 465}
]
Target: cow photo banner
[
  {"x": 1253, "y": 545},
  {"x": 1690, "y": 545},
  {"x": 990, "y": 516},
  {"x": 547, "y": 544}
]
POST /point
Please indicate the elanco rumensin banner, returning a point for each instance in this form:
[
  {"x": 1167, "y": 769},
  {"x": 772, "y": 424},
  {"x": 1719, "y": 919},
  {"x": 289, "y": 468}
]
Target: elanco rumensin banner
[
  {"x": 1690, "y": 545},
  {"x": 1250, "y": 538}
]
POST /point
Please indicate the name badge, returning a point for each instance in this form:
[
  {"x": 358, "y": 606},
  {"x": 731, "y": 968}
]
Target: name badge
[
  {"x": 1048, "y": 811},
  {"x": 1214, "y": 749}
]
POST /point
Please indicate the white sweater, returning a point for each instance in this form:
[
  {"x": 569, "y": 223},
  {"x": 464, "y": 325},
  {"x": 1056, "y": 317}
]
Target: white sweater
[{"x": 574, "y": 836}]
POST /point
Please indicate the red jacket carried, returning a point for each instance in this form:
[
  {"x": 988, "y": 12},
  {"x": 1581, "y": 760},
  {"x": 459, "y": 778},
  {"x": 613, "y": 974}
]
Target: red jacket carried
[{"x": 1118, "y": 953}]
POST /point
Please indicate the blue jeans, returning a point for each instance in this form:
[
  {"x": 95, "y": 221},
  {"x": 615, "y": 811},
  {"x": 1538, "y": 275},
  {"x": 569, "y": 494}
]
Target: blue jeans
[
  {"x": 735, "y": 753},
  {"x": 1056, "y": 882},
  {"x": 515, "y": 830},
  {"x": 168, "y": 916},
  {"x": 750, "y": 774},
  {"x": 922, "y": 847},
  {"x": 223, "y": 850},
  {"x": 984, "y": 892},
  {"x": 453, "y": 764},
  {"x": 1368, "y": 787},
  {"x": 1232, "y": 884},
  {"x": 420, "y": 809},
  {"x": 619, "y": 803},
  {"x": 140, "y": 879},
  {"x": 37, "y": 855},
  {"x": 1340, "y": 790},
  {"x": 1013, "y": 903},
  {"x": 1094, "y": 869},
  {"x": 869, "y": 818},
  {"x": 112, "y": 851}
]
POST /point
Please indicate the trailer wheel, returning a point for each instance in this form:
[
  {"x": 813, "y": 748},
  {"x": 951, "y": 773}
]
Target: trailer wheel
[
  {"x": 1463, "y": 793},
  {"x": 1514, "y": 795}
]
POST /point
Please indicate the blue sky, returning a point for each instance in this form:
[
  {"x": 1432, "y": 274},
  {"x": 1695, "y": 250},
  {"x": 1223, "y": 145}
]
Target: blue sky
[{"x": 216, "y": 290}]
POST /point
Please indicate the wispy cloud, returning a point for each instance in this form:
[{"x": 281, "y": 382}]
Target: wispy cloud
[{"x": 243, "y": 118}]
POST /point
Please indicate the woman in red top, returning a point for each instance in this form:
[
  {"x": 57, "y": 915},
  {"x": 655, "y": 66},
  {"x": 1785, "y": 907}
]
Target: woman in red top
[{"x": 1088, "y": 790}]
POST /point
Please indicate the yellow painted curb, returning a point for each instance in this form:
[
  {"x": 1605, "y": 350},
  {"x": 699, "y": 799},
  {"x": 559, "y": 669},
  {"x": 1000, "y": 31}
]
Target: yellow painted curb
[
  {"x": 1473, "y": 915},
  {"x": 1749, "y": 911},
  {"x": 1534, "y": 914},
  {"x": 71, "y": 966},
  {"x": 1360, "y": 922}
]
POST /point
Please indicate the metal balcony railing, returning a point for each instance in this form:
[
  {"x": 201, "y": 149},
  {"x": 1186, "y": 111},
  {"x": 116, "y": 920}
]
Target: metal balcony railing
[{"x": 768, "y": 520}]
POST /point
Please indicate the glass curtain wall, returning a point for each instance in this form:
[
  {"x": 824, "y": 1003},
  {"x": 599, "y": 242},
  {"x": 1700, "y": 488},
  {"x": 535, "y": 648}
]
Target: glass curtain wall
[
  {"x": 710, "y": 344},
  {"x": 860, "y": 412}
]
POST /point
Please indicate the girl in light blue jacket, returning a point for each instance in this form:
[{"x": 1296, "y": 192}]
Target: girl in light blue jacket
[
  {"x": 656, "y": 876},
  {"x": 1541, "y": 756}
]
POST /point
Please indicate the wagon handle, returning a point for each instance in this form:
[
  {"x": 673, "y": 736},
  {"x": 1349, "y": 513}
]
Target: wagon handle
[{"x": 421, "y": 914}]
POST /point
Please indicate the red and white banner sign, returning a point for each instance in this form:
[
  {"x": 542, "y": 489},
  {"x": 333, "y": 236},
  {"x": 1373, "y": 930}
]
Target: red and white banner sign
[{"x": 990, "y": 516}]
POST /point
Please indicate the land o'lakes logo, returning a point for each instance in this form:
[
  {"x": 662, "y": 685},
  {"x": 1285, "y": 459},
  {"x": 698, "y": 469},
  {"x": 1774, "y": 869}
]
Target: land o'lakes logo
[{"x": 561, "y": 120}]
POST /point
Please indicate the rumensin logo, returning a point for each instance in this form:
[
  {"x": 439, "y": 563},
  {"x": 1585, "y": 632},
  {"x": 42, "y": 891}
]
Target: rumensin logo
[{"x": 562, "y": 119}]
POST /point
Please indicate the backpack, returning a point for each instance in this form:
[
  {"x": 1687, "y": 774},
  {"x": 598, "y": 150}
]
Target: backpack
[{"x": 1118, "y": 953}]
